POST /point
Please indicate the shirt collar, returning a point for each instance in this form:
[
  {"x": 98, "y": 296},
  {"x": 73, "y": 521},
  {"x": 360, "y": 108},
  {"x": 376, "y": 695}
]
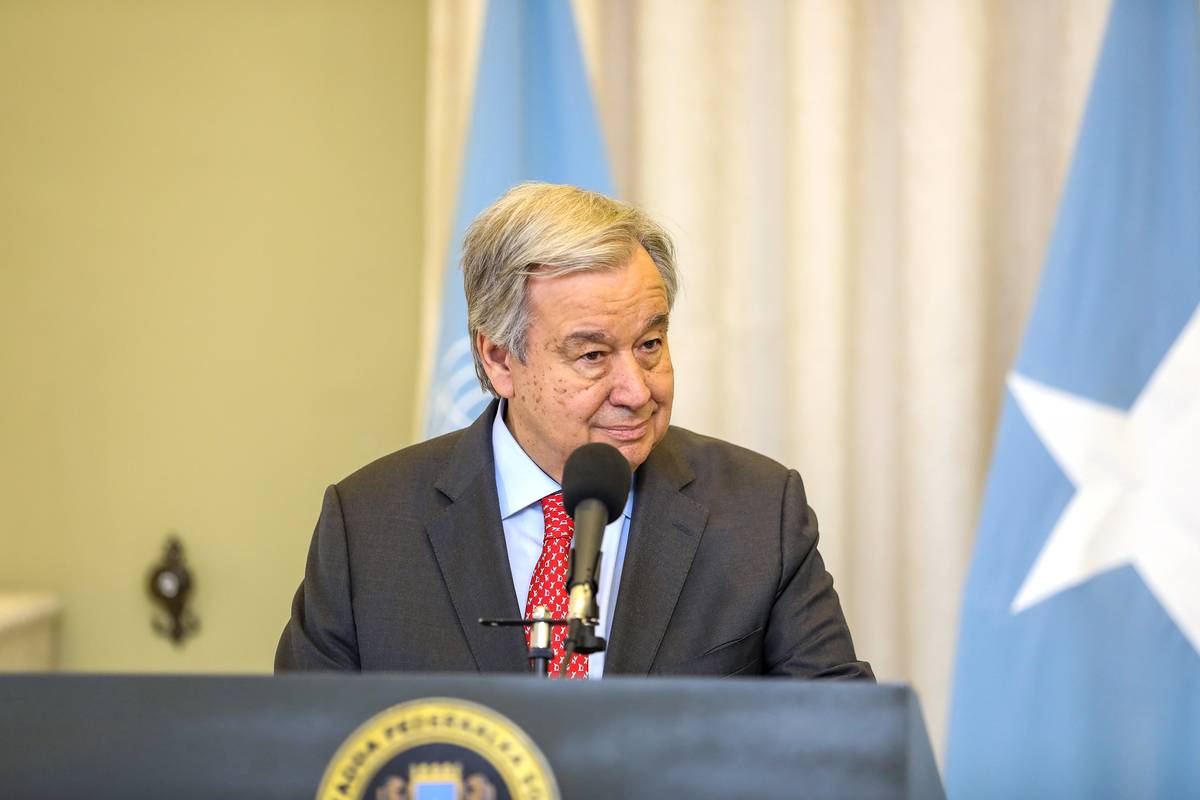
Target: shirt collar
[{"x": 519, "y": 482}]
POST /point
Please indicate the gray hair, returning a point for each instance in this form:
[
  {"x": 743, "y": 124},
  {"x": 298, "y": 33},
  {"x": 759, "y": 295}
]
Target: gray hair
[{"x": 548, "y": 230}]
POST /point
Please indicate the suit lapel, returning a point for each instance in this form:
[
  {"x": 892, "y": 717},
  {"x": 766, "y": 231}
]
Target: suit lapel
[
  {"x": 468, "y": 542},
  {"x": 663, "y": 537}
]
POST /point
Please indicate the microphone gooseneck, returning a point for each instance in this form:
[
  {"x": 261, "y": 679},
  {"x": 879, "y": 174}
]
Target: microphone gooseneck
[{"x": 596, "y": 481}]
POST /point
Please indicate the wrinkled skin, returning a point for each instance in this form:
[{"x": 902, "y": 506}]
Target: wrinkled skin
[{"x": 597, "y": 367}]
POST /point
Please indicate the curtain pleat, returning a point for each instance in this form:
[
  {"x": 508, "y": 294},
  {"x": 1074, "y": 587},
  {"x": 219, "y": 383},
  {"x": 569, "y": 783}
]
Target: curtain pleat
[{"x": 861, "y": 192}]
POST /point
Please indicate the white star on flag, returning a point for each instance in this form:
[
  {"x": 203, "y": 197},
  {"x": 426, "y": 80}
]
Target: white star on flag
[{"x": 1137, "y": 481}]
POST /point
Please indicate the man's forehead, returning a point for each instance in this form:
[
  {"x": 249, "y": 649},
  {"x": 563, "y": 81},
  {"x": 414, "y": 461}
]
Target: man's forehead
[{"x": 588, "y": 303}]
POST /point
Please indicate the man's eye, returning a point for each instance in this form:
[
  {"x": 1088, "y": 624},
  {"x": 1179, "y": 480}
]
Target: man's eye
[
  {"x": 651, "y": 345},
  {"x": 594, "y": 355}
]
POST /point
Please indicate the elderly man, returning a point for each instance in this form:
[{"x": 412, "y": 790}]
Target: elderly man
[{"x": 712, "y": 570}]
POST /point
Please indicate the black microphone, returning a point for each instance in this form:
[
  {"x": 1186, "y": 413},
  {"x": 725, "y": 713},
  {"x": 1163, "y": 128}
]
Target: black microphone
[{"x": 596, "y": 482}]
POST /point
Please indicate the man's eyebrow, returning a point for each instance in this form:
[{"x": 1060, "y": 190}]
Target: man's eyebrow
[
  {"x": 657, "y": 321},
  {"x": 580, "y": 337},
  {"x": 600, "y": 337}
]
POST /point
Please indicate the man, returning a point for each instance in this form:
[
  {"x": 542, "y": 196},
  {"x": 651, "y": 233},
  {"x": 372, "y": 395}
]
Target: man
[{"x": 713, "y": 568}]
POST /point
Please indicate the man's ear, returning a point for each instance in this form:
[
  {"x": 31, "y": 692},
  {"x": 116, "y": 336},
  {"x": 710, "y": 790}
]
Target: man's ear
[{"x": 497, "y": 363}]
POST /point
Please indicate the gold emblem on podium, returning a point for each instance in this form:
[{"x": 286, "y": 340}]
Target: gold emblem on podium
[{"x": 438, "y": 749}]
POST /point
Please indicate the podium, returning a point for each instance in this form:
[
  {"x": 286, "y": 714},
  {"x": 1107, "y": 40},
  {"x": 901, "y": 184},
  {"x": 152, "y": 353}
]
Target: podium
[{"x": 100, "y": 736}]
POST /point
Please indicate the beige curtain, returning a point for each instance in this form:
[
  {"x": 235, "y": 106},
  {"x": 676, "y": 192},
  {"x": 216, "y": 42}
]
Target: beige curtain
[{"x": 862, "y": 194}]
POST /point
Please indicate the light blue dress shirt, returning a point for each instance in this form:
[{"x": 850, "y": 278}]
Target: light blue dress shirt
[{"x": 521, "y": 484}]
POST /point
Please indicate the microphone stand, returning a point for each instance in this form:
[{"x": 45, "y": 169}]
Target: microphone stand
[
  {"x": 581, "y": 621},
  {"x": 583, "y": 565},
  {"x": 582, "y": 617},
  {"x": 540, "y": 651}
]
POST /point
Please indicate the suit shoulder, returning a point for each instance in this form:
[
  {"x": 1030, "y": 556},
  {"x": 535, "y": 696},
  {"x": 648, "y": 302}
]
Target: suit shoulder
[{"x": 712, "y": 458}]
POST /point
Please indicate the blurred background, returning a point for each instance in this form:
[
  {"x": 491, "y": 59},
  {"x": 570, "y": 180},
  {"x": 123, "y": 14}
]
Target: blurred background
[{"x": 223, "y": 228}]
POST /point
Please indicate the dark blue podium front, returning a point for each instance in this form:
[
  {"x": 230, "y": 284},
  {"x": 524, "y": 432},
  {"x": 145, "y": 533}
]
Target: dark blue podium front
[{"x": 99, "y": 736}]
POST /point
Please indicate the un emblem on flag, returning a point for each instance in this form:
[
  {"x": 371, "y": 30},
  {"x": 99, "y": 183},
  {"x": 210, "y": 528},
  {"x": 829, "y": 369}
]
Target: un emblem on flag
[{"x": 438, "y": 749}]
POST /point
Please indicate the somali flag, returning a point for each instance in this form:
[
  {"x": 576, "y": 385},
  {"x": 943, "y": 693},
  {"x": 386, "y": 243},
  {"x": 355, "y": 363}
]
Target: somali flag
[
  {"x": 1078, "y": 669},
  {"x": 532, "y": 119}
]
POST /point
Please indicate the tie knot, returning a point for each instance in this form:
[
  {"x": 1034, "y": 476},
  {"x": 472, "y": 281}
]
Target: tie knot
[{"x": 558, "y": 524}]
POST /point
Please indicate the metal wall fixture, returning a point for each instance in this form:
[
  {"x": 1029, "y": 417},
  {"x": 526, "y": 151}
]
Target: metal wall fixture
[{"x": 170, "y": 587}]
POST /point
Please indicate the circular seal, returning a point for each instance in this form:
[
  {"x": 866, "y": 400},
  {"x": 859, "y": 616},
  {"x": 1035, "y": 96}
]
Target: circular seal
[{"x": 438, "y": 748}]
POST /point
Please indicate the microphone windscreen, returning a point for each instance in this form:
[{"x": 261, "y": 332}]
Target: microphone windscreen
[{"x": 596, "y": 471}]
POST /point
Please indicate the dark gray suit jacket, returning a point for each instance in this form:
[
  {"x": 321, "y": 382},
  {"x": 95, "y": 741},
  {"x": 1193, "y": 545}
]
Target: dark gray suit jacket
[{"x": 721, "y": 575}]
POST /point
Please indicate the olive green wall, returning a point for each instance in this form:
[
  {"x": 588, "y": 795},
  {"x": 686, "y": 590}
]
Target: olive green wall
[{"x": 210, "y": 218}]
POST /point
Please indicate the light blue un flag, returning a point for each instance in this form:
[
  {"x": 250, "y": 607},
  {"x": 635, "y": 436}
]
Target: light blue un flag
[
  {"x": 1079, "y": 657},
  {"x": 532, "y": 119}
]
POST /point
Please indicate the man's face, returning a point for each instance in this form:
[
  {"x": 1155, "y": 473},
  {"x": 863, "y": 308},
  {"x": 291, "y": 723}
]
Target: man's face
[{"x": 596, "y": 369}]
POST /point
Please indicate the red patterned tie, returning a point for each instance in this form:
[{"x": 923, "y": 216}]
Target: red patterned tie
[{"x": 548, "y": 587}]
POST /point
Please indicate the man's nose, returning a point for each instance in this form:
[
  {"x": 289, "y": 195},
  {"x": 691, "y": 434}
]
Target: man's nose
[{"x": 629, "y": 386}]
